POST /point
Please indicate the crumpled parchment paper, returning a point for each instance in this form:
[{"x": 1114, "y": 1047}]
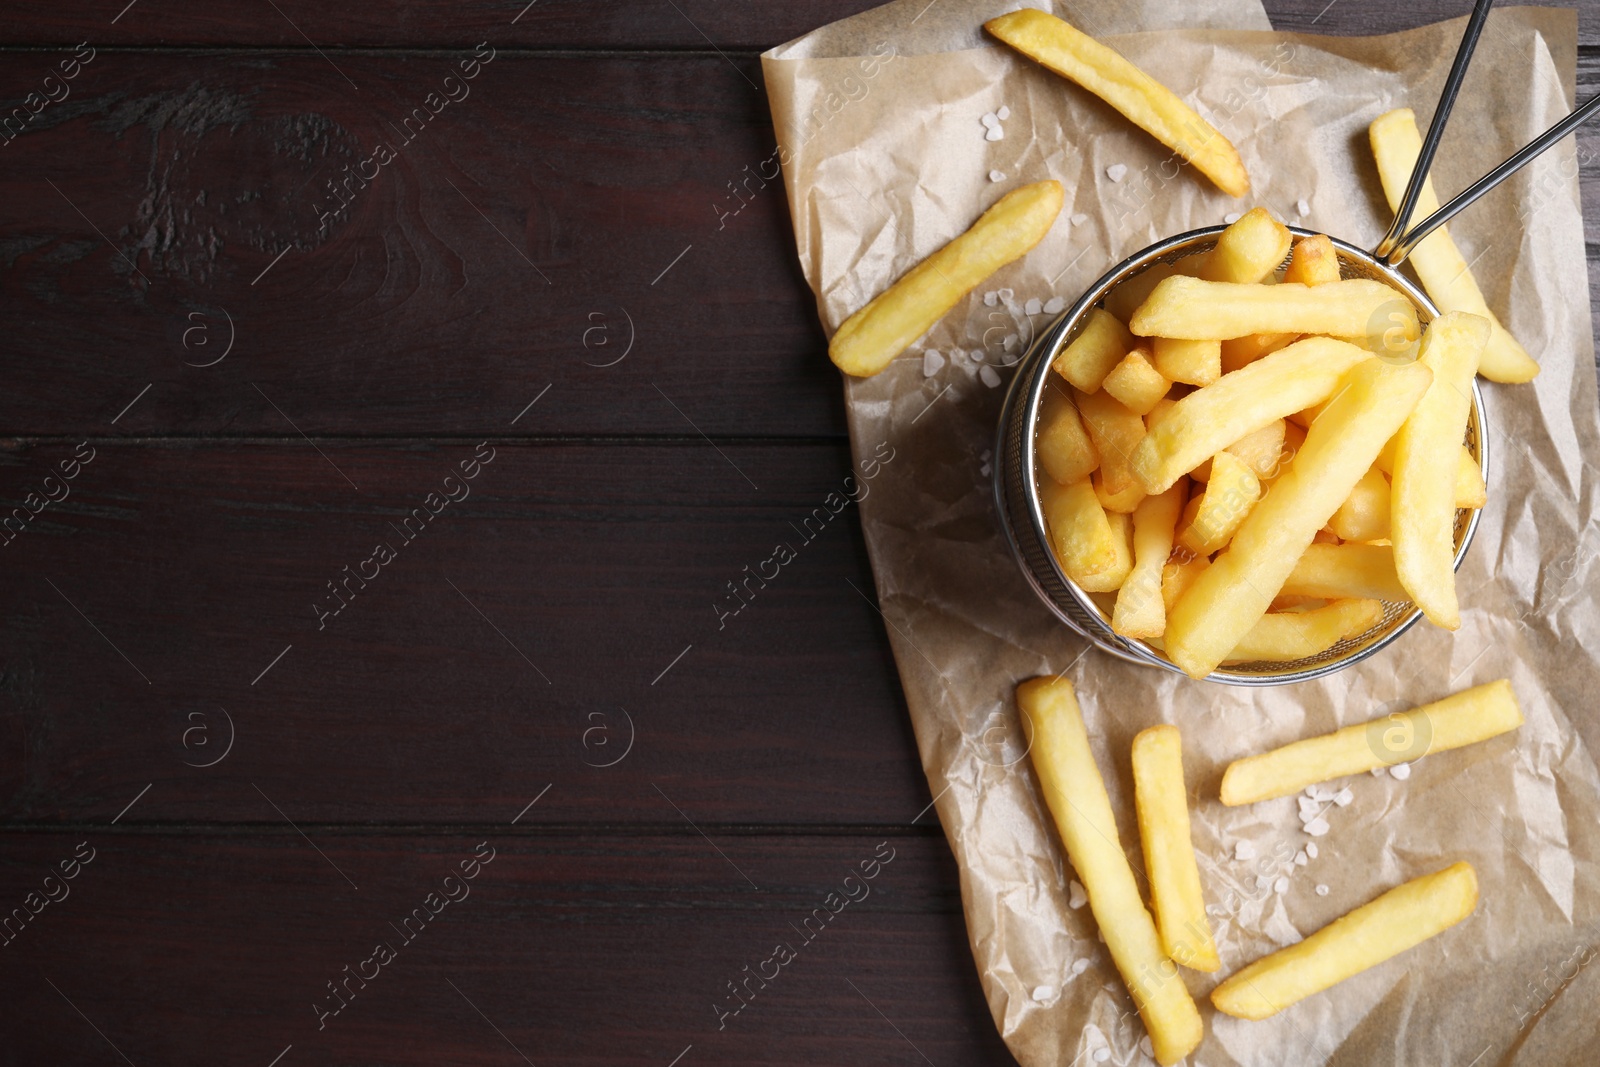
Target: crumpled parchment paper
[{"x": 884, "y": 159}]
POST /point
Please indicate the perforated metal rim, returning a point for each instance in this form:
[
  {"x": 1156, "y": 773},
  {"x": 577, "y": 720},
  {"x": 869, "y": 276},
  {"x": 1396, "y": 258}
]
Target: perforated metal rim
[{"x": 1022, "y": 517}]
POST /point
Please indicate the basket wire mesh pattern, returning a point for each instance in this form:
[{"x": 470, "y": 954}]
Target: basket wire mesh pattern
[{"x": 1016, "y": 472}]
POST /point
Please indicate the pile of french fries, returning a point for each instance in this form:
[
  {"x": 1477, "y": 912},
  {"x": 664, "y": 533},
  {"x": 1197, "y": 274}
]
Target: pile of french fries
[
  {"x": 1245, "y": 467},
  {"x": 1149, "y": 948}
]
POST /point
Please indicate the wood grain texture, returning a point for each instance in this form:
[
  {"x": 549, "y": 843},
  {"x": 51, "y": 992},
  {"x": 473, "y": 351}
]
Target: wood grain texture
[{"x": 576, "y": 951}]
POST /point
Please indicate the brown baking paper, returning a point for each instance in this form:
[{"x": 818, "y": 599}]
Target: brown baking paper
[{"x": 885, "y": 159}]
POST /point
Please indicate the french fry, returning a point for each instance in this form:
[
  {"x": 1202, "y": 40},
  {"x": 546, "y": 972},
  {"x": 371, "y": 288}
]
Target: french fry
[
  {"x": 1235, "y": 591},
  {"x": 1065, "y": 450},
  {"x": 1136, "y": 383},
  {"x": 1314, "y": 261},
  {"x": 1076, "y": 795},
  {"x": 1213, "y": 516},
  {"x": 1364, "y": 515},
  {"x": 1194, "y": 362},
  {"x": 1281, "y": 637},
  {"x": 1262, "y": 450},
  {"x": 1441, "y": 266},
  {"x": 1402, "y": 918},
  {"x": 1249, "y": 250},
  {"x": 1122, "y": 546},
  {"x": 1095, "y": 352},
  {"x": 1198, "y": 310},
  {"x": 1178, "y": 575},
  {"x": 1123, "y": 501},
  {"x": 1425, "y": 459},
  {"x": 1080, "y": 533},
  {"x": 1140, "y": 611},
  {"x": 1147, "y": 103},
  {"x": 1125, "y": 299},
  {"x": 1470, "y": 492},
  {"x": 1338, "y": 571},
  {"x": 869, "y": 340},
  {"x": 1116, "y": 432},
  {"x": 1237, "y": 352},
  {"x": 1208, "y": 420},
  {"x": 1464, "y": 718},
  {"x": 1162, "y": 803},
  {"x": 1159, "y": 412}
]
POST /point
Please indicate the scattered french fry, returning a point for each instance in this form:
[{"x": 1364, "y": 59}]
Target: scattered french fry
[
  {"x": 1136, "y": 382},
  {"x": 1162, "y": 803},
  {"x": 1314, "y": 261},
  {"x": 1194, "y": 362},
  {"x": 1461, "y": 719},
  {"x": 1065, "y": 450},
  {"x": 1147, "y": 103},
  {"x": 1402, "y": 918},
  {"x": 1235, "y": 591},
  {"x": 1425, "y": 463},
  {"x": 1335, "y": 572},
  {"x": 869, "y": 340},
  {"x": 1285, "y": 636},
  {"x": 1198, "y": 310},
  {"x": 1076, "y": 795},
  {"x": 1140, "y": 611},
  {"x": 1208, "y": 420},
  {"x": 1364, "y": 515},
  {"x": 1095, "y": 352},
  {"x": 1443, "y": 269},
  {"x": 1212, "y": 517}
]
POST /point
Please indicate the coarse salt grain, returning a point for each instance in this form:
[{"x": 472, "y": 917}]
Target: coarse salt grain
[
  {"x": 1079, "y": 966},
  {"x": 1101, "y": 1055},
  {"x": 1322, "y": 890},
  {"x": 1308, "y": 807},
  {"x": 990, "y": 120},
  {"x": 1054, "y": 306},
  {"x": 1006, "y": 294},
  {"x": 1076, "y": 898},
  {"x": 1281, "y": 886},
  {"x": 1232, "y": 217},
  {"x": 977, "y": 355},
  {"x": 1117, "y": 171},
  {"x": 997, "y": 176},
  {"x": 1003, "y": 114},
  {"x": 991, "y": 298},
  {"x": 1262, "y": 881},
  {"x": 1343, "y": 798},
  {"x": 1300, "y": 858},
  {"x": 1032, "y": 307},
  {"x": 1311, "y": 849},
  {"x": 995, "y": 134},
  {"x": 1401, "y": 771},
  {"x": 932, "y": 363},
  {"x": 1317, "y": 827},
  {"x": 1244, "y": 850},
  {"x": 1303, "y": 207},
  {"x": 1378, "y": 772},
  {"x": 990, "y": 377},
  {"x": 1043, "y": 992},
  {"x": 1079, "y": 219}
]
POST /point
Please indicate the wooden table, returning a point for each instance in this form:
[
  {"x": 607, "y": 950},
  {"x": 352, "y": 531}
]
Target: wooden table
[{"x": 376, "y": 528}]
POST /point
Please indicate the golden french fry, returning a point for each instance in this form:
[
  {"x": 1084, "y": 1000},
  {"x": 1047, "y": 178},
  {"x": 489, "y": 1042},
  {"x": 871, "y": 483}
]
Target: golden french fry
[
  {"x": 1147, "y": 103},
  {"x": 1116, "y": 432},
  {"x": 1262, "y": 451},
  {"x": 1194, "y": 362},
  {"x": 1214, "y": 515},
  {"x": 1470, "y": 492},
  {"x": 1109, "y": 581},
  {"x": 1095, "y": 352},
  {"x": 1140, "y": 611},
  {"x": 1249, "y": 250},
  {"x": 1441, "y": 266},
  {"x": 1425, "y": 459},
  {"x": 1080, "y": 532},
  {"x": 1210, "y": 419},
  {"x": 871, "y": 338},
  {"x": 1237, "y": 352},
  {"x": 1076, "y": 795},
  {"x": 1336, "y": 572},
  {"x": 1402, "y": 918},
  {"x": 1314, "y": 261},
  {"x": 1364, "y": 515},
  {"x": 1159, "y": 412},
  {"x": 1162, "y": 803},
  {"x": 1235, "y": 591},
  {"x": 1065, "y": 450},
  {"x": 1178, "y": 575},
  {"x": 1464, "y": 718},
  {"x": 1284, "y": 636},
  {"x": 1199, "y": 310},
  {"x": 1136, "y": 383},
  {"x": 1124, "y": 501}
]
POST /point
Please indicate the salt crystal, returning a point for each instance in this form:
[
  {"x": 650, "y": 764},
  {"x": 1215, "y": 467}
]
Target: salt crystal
[
  {"x": 1303, "y": 207},
  {"x": 1281, "y": 886},
  {"x": 990, "y": 377},
  {"x": 990, "y": 299},
  {"x": 1077, "y": 898},
  {"x": 1003, "y": 114},
  {"x": 1262, "y": 881},
  {"x": 1232, "y": 217},
  {"x": 1054, "y": 306},
  {"x": 1146, "y": 1047},
  {"x": 1079, "y": 219},
  {"x": 1317, "y": 827},
  {"x": 1244, "y": 850},
  {"x": 1079, "y": 966},
  {"x": 1010, "y": 342},
  {"x": 990, "y": 120},
  {"x": 1322, "y": 890},
  {"x": 997, "y": 176},
  {"x": 1117, "y": 171},
  {"x": 1101, "y": 1055},
  {"x": 1321, "y": 793},
  {"x": 1343, "y": 798},
  {"x": 1032, "y": 307},
  {"x": 1308, "y": 807},
  {"x": 932, "y": 363},
  {"x": 995, "y": 134},
  {"x": 984, "y": 471},
  {"x": 1401, "y": 771},
  {"x": 1300, "y": 858},
  {"x": 1377, "y": 772},
  {"x": 977, "y": 355},
  {"x": 1311, "y": 849},
  {"x": 1043, "y": 992},
  {"x": 1006, "y": 294}
]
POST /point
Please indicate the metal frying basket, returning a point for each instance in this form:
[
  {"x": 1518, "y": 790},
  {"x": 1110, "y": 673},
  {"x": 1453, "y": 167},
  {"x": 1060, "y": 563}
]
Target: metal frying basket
[{"x": 1016, "y": 474}]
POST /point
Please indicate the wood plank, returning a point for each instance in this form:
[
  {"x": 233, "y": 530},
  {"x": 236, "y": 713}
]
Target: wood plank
[
  {"x": 559, "y": 226},
  {"x": 576, "y": 952},
  {"x": 508, "y": 644}
]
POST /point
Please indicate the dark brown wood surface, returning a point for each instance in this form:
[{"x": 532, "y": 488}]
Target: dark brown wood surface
[{"x": 267, "y": 784}]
